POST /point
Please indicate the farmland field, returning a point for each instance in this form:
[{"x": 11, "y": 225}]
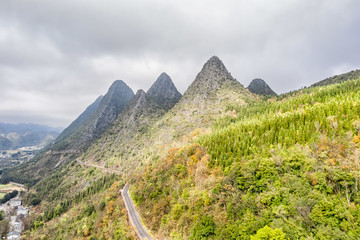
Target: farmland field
[{"x": 5, "y": 188}]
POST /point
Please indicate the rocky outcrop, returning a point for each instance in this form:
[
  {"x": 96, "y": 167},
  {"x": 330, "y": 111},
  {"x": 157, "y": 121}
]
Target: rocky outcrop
[
  {"x": 111, "y": 105},
  {"x": 211, "y": 78},
  {"x": 164, "y": 92},
  {"x": 260, "y": 87}
]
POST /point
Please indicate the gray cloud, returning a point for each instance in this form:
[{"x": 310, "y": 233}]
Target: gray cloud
[{"x": 56, "y": 57}]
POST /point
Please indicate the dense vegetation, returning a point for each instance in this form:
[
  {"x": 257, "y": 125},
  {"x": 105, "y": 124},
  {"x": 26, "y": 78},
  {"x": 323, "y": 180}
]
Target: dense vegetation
[
  {"x": 9, "y": 196},
  {"x": 93, "y": 214},
  {"x": 77, "y": 203},
  {"x": 279, "y": 167},
  {"x": 285, "y": 167}
]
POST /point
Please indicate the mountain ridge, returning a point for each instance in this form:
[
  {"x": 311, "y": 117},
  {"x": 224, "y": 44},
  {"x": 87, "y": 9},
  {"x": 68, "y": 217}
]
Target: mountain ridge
[
  {"x": 142, "y": 111},
  {"x": 206, "y": 99},
  {"x": 223, "y": 163}
]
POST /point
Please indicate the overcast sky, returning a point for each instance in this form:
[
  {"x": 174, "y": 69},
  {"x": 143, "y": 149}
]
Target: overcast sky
[{"x": 57, "y": 57}]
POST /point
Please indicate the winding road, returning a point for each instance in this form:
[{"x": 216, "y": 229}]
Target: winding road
[
  {"x": 134, "y": 217},
  {"x": 102, "y": 168}
]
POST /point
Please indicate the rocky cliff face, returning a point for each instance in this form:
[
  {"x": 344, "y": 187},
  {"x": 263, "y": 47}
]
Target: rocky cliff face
[
  {"x": 164, "y": 92},
  {"x": 138, "y": 109},
  {"x": 111, "y": 105},
  {"x": 78, "y": 122},
  {"x": 145, "y": 128},
  {"x": 140, "y": 113},
  {"x": 259, "y": 86}
]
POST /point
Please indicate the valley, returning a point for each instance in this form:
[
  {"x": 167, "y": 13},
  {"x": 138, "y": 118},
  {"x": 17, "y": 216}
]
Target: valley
[{"x": 11, "y": 158}]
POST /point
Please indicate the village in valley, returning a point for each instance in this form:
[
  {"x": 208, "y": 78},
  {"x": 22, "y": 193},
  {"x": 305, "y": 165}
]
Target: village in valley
[{"x": 13, "y": 211}]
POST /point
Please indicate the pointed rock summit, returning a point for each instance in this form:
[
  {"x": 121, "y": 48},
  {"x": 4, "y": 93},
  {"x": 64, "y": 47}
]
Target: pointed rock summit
[
  {"x": 211, "y": 78},
  {"x": 215, "y": 65},
  {"x": 111, "y": 105},
  {"x": 259, "y": 86},
  {"x": 92, "y": 126},
  {"x": 164, "y": 92}
]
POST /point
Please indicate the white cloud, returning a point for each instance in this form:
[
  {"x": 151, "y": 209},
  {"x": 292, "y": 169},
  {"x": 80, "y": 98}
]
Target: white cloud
[{"x": 56, "y": 57}]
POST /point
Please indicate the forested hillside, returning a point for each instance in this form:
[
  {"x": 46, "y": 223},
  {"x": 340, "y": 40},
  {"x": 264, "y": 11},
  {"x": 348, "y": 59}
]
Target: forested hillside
[
  {"x": 222, "y": 163},
  {"x": 290, "y": 164}
]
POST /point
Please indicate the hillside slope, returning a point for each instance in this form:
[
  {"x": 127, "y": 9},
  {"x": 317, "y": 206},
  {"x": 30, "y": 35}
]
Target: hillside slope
[
  {"x": 286, "y": 167},
  {"x": 110, "y": 106},
  {"x": 204, "y": 101},
  {"x": 76, "y": 138},
  {"x": 221, "y": 164},
  {"x": 338, "y": 78},
  {"x": 123, "y": 137}
]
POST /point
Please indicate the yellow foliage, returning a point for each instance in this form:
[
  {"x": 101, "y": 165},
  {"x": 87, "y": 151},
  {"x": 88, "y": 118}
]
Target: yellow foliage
[
  {"x": 217, "y": 172},
  {"x": 114, "y": 186},
  {"x": 123, "y": 211},
  {"x": 356, "y": 139},
  {"x": 110, "y": 208},
  {"x": 195, "y": 132},
  {"x": 171, "y": 153},
  {"x": 332, "y": 161},
  {"x": 86, "y": 232}
]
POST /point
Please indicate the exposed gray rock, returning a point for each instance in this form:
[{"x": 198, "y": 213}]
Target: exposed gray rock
[
  {"x": 89, "y": 111},
  {"x": 259, "y": 86},
  {"x": 111, "y": 105},
  {"x": 114, "y": 101},
  {"x": 140, "y": 111},
  {"x": 164, "y": 92}
]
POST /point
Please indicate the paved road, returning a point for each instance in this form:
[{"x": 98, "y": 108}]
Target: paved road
[{"x": 133, "y": 215}]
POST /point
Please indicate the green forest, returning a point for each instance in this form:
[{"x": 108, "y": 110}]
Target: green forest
[
  {"x": 284, "y": 167},
  {"x": 279, "y": 168}
]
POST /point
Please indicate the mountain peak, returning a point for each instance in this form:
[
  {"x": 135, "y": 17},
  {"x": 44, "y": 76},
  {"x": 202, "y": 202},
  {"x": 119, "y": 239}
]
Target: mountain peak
[
  {"x": 118, "y": 84},
  {"x": 164, "y": 92},
  {"x": 140, "y": 92},
  {"x": 113, "y": 102},
  {"x": 259, "y": 86},
  {"x": 214, "y": 63},
  {"x": 213, "y": 76}
]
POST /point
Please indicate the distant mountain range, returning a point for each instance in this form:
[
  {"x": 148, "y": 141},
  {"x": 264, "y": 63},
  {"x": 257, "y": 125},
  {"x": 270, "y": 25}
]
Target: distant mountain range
[{"x": 13, "y": 136}]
